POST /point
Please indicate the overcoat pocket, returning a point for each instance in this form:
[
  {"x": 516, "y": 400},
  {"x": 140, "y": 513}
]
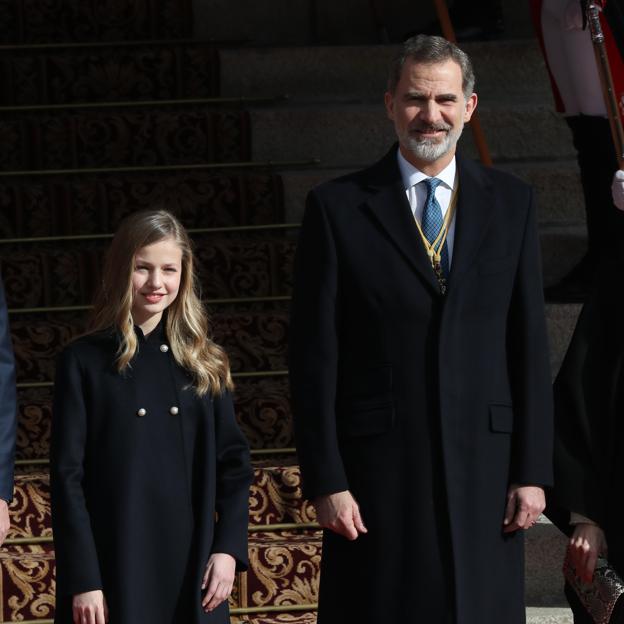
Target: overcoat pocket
[
  {"x": 364, "y": 418},
  {"x": 501, "y": 418}
]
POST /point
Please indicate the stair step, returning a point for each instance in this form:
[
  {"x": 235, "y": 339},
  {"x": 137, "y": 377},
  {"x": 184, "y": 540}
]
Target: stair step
[
  {"x": 276, "y": 576},
  {"x": 238, "y": 265},
  {"x": 359, "y": 72},
  {"x": 549, "y": 615},
  {"x": 262, "y": 407},
  {"x": 534, "y": 616},
  {"x": 557, "y": 186},
  {"x": 64, "y": 21},
  {"x": 109, "y": 73},
  {"x": 229, "y": 267},
  {"x": 275, "y": 498},
  {"x": 284, "y": 571},
  {"x": 354, "y": 135},
  {"x": 94, "y": 204},
  {"x": 545, "y": 547},
  {"x": 88, "y": 138},
  {"x": 254, "y": 339},
  {"x": 306, "y": 617}
]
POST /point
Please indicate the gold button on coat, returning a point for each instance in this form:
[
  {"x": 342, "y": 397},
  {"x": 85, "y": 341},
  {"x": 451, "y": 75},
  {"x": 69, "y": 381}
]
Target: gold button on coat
[
  {"x": 173, "y": 410},
  {"x": 141, "y": 412}
]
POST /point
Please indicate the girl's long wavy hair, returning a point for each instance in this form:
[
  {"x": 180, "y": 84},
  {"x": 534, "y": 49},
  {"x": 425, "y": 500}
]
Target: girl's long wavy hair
[{"x": 187, "y": 321}]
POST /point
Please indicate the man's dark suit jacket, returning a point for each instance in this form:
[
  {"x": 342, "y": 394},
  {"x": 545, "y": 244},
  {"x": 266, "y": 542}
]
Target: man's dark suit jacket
[
  {"x": 425, "y": 407},
  {"x": 8, "y": 404}
]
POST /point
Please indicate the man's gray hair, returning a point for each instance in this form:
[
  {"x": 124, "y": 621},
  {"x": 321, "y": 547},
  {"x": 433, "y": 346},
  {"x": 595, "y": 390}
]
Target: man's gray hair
[{"x": 430, "y": 49}]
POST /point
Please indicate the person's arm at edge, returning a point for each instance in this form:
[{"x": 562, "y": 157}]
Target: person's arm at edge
[
  {"x": 77, "y": 561},
  {"x": 313, "y": 370},
  {"x": 8, "y": 417}
]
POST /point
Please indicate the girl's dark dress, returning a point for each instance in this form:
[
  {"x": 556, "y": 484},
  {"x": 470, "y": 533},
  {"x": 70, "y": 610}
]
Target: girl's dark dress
[
  {"x": 589, "y": 425},
  {"x": 139, "y": 466}
]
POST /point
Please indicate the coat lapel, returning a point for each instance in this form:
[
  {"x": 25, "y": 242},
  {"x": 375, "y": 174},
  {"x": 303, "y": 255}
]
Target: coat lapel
[
  {"x": 390, "y": 207},
  {"x": 475, "y": 207}
]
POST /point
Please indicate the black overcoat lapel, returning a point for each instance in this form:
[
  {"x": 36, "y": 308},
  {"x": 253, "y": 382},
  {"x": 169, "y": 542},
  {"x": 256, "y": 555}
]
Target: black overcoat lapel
[
  {"x": 389, "y": 206},
  {"x": 475, "y": 208}
]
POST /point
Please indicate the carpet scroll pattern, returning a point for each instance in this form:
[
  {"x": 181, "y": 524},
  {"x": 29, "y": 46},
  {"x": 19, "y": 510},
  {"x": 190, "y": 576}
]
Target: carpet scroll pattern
[
  {"x": 112, "y": 74},
  {"x": 126, "y": 138},
  {"x": 284, "y": 564},
  {"x": 84, "y": 204},
  {"x": 232, "y": 267},
  {"x": 49, "y": 192},
  {"x": 67, "y": 21}
]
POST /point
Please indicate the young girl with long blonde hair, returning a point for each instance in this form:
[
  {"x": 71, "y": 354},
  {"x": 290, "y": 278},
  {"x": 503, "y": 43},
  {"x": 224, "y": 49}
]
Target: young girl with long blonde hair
[{"x": 149, "y": 471}]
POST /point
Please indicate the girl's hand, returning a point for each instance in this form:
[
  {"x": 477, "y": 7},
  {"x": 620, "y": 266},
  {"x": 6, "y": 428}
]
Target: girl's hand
[
  {"x": 218, "y": 580},
  {"x": 90, "y": 608}
]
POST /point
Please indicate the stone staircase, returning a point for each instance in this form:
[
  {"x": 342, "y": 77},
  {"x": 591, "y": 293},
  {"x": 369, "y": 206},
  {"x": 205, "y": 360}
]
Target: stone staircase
[{"x": 124, "y": 112}]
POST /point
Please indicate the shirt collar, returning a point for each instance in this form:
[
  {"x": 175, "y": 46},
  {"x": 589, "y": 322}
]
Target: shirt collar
[{"x": 411, "y": 175}]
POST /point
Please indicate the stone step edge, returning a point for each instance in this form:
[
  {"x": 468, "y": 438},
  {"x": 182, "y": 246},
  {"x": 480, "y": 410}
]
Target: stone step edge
[
  {"x": 239, "y": 375},
  {"x": 545, "y": 227},
  {"x": 176, "y": 102},
  {"x": 76, "y": 45},
  {"x": 535, "y": 615},
  {"x": 313, "y": 528},
  {"x": 207, "y": 302},
  {"x": 77, "y": 238},
  {"x": 203, "y": 166}
]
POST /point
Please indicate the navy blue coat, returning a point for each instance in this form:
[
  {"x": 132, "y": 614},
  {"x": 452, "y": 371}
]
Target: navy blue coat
[
  {"x": 8, "y": 404},
  {"x": 426, "y": 407},
  {"x": 136, "y": 485}
]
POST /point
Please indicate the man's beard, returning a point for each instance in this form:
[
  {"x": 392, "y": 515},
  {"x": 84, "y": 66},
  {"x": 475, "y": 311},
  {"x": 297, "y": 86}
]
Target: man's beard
[{"x": 429, "y": 150}]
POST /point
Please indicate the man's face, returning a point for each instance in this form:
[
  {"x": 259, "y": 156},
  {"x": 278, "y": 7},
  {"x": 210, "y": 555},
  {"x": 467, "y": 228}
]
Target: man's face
[{"x": 429, "y": 110}]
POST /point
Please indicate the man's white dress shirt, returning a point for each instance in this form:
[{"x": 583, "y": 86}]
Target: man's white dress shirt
[{"x": 417, "y": 193}]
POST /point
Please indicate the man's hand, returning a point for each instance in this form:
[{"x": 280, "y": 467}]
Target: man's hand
[
  {"x": 218, "y": 580},
  {"x": 340, "y": 513},
  {"x": 587, "y": 543},
  {"x": 525, "y": 503},
  {"x": 5, "y": 523},
  {"x": 90, "y": 608}
]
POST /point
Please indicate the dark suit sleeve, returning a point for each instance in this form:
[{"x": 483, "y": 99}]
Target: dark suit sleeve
[
  {"x": 234, "y": 475},
  {"x": 530, "y": 366},
  {"x": 314, "y": 354},
  {"x": 8, "y": 404},
  {"x": 76, "y": 556}
]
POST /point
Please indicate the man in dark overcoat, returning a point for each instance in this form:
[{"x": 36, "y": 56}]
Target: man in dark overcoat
[
  {"x": 8, "y": 417},
  {"x": 419, "y": 368}
]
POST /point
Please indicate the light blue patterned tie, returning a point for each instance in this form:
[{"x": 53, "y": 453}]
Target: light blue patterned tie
[{"x": 432, "y": 221}]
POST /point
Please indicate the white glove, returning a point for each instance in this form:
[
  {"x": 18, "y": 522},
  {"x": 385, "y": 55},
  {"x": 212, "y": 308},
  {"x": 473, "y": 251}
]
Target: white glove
[
  {"x": 617, "y": 188},
  {"x": 573, "y": 16}
]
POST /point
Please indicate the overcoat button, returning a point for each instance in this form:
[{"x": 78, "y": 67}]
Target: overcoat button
[
  {"x": 173, "y": 410},
  {"x": 141, "y": 412},
  {"x": 164, "y": 348}
]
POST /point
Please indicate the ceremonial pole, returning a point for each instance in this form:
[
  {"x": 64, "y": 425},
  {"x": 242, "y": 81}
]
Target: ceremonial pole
[
  {"x": 475, "y": 123},
  {"x": 606, "y": 79}
]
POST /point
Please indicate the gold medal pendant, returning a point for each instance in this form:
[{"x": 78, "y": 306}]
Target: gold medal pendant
[
  {"x": 434, "y": 248},
  {"x": 437, "y": 269}
]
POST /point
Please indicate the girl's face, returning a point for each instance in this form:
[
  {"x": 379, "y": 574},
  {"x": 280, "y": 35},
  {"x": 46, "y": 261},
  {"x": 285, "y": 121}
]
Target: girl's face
[{"x": 155, "y": 282}]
